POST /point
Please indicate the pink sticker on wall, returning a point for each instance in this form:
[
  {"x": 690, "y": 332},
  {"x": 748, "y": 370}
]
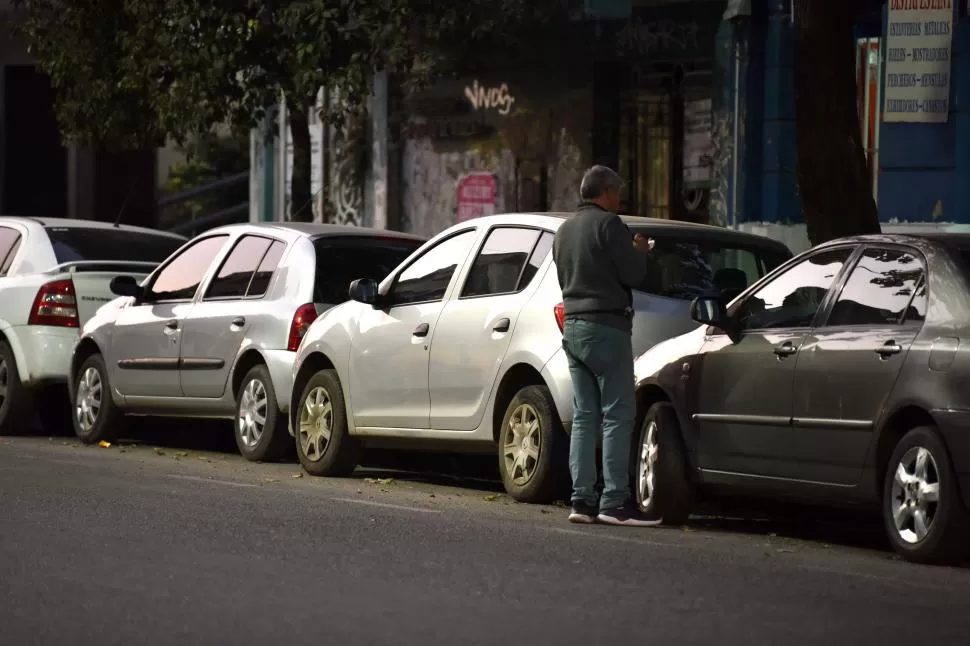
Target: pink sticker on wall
[{"x": 477, "y": 195}]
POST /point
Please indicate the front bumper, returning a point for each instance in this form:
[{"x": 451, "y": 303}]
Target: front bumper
[{"x": 43, "y": 353}]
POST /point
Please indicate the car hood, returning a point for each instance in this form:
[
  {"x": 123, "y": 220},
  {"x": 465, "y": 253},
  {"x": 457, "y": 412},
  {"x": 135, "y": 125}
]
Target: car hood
[{"x": 648, "y": 364}]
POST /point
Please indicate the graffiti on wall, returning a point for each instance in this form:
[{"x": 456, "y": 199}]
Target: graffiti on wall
[
  {"x": 652, "y": 36},
  {"x": 496, "y": 98}
]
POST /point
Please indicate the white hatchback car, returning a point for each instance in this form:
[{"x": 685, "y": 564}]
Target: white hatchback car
[
  {"x": 460, "y": 347},
  {"x": 54, "y": 275}
]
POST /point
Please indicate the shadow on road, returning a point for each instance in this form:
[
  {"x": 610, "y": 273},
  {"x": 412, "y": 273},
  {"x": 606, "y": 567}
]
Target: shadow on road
[{"x": 774, "y": 521}]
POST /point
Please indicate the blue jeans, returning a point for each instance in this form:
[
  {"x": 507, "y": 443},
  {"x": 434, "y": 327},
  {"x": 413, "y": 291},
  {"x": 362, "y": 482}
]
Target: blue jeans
[{"x": 601, "y": 366}]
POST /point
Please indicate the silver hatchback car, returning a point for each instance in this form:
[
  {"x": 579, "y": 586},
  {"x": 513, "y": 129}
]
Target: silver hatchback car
[
  {"x": 212, "y": 332},
  {"x": 460, "y": 347}
]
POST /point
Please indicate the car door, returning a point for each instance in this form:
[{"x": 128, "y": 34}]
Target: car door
[
  {"x": 475, "y": 327},
  {"x": 214, "y": 329},
  {"x": 146, "y": 336},
  {"x": 743, "y": 387},
  {"x": 389, "y": 358},
  {"x": 848, "y": 366}
]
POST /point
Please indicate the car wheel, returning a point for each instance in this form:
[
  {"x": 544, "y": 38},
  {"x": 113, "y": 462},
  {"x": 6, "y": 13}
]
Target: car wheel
[
  {"x": 662, "y": 483},
  {"x": 16, "y": 402},
  {"x": 533, "y": 447},
  {"x": 922, "y": 508},
  {"x": 261, "y": 434},
  {"x": 323, "y": 442},
  {"x": 96, "y": 417}
]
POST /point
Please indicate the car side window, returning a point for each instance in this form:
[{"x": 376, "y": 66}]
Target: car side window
[
  {"x": 9, "y": 243},
  {"x": 180, "y": 278},
  {"x": 539, "y": 254},
  {"x": 879, "y": 289},
  {"x": 426, "y": 279},
  {"x": 236, "y": 272},
  {"x": 792, "y": 298},
  {"x": 499, "y": 264},
  {"x": 264, "y": 272}
]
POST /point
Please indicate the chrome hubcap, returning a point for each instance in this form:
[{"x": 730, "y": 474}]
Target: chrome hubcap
[
  {"x": 916, "y": 494},
  {"x": 647, "y": 465},
  {"x": 522, "y": 444},
  {"x": 251, "y": 418},
  {"x": 4, "y": 379},
  {"x": 87, "y": 402},
  {"x": 316, "y": 423}
]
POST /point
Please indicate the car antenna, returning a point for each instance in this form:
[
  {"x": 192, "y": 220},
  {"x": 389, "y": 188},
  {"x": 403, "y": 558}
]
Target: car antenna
[{"x": 131, "y": 186}]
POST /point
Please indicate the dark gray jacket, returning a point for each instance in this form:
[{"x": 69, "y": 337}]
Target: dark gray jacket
[{"x": 597, "y": 265}]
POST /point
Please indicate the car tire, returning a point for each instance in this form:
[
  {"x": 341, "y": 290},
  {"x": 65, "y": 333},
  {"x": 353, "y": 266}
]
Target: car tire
[
  {"x": 266, "y": 441},
  {"x": 661, "y": 473},
  {"x": 533, "y": 448},
  {"x": 919, "y": 466},
  {"x": 94, "y": 414},
  {"x": 16, "y": 401},
  {"x": 323, "y": 442}
]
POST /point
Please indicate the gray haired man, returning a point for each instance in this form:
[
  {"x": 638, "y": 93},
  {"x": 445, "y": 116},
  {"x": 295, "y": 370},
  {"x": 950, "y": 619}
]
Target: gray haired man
[{"x": 599, "y": 260}]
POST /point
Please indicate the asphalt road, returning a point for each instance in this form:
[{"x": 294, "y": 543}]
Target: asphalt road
[{"x": 167, "y": 546}]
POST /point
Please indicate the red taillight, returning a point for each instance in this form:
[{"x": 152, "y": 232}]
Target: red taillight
[
  {"x": 560, "y": 312},
  {"x": 304, "y": 317},
  {"x": 55, "y": 304}
]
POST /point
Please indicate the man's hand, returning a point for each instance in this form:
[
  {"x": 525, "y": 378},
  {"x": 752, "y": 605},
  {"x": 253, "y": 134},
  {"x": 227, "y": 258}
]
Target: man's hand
[{"x": 642, "y": 243}]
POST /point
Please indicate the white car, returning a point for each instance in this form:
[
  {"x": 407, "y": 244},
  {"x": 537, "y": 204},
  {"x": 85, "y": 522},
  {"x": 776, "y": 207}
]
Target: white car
[
  {"x": 54, "y": 275},
  {"x": 460, "y": 347}
]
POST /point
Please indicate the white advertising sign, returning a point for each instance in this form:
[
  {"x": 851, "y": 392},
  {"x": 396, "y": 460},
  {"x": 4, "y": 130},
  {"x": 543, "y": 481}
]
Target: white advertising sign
[{"x": 918, "y": 61}]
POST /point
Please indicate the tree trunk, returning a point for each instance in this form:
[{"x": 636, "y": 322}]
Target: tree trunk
[
  {"x": 830, "y": 166},
  {"x": 301, "y": 197}
]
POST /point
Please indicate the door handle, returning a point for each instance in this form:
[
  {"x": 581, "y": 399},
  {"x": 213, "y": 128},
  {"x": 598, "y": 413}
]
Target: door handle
[
  {"x": 239, "y": 321},
  {"x": 172, "y": 325},
  {"x": 502, "y": 325},
  {"x": 421, "y": 330},
  {"x": 888, "y": 349},
  {"x": 786, "y": 349}
]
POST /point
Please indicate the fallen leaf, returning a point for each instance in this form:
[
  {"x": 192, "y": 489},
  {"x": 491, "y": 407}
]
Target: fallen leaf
[
  {"x": 157, "y": 451},
  {"x": 686, "y": 528},
  {"x": 431, "y": 495},
  {"x": 297, "y": 476},
  {"x": 370, "y": 480},
  {"x": 490, "y": 497},
  {"x": 545, "y": 511},
  {"x": 385, "y": 481},
  {"x": 181, "y": 454},
  {"x": 785, "y": 551},
  {"x": 271, "y": 480}
]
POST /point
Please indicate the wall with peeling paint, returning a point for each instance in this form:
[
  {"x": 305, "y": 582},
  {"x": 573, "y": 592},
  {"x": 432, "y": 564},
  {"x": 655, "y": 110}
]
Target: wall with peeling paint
[{"x": 536, "y": 146}]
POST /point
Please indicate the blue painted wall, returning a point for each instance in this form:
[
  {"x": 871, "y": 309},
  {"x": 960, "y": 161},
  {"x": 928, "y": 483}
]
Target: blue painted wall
[
  {"x": 769, "y": 189},
  {"x": 920, "y": 164}
]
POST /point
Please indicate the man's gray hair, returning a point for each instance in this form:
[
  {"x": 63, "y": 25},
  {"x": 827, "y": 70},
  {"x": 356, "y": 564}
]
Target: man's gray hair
[{"x": 597, "y": 181}]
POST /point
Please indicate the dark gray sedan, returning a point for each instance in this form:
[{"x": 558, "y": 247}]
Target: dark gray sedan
[{"x": 840, "y": 377}]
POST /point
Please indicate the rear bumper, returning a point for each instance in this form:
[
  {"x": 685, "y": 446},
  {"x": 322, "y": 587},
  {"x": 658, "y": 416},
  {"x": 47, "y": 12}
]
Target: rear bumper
[
  {"x": 43, "y": 353},
  {"x": 556, "y": 375},
  {"x": 280, "y": 366},
  {"x": 954, "y": 425}
]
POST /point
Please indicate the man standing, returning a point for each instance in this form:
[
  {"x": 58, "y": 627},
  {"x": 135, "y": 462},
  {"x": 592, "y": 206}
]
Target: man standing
[{"x": 598, "y": 260}]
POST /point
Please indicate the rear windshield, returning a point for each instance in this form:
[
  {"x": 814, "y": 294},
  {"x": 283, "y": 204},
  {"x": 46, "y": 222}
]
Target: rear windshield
[
  {"x": 341, "y": 261},
  {"x": 73, "y": 244},
  {"x": 685, "y": 269}
]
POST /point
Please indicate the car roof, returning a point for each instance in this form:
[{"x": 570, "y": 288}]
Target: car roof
[
  {"x": 85, "y": 224},
  {"x": 917, "y": 239},
  {"x": 660, "y": 226},
  {"x": 315, "y": 229}
]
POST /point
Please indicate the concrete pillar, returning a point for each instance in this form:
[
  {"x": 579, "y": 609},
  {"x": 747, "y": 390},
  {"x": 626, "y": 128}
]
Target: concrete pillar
[
  {"x": 80, "y": 182},
  {"x": 375, "y": 194}
]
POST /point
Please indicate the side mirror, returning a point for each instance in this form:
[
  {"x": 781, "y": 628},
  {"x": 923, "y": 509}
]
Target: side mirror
[
  {"x": 709, "y": 311},
  {"x": 125, "y": 286},
  {"x": 363, "y": 290}
]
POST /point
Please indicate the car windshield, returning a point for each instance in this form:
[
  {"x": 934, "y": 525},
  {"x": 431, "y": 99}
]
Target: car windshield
[
  {"x": 72, "y": 244},
  {"x": 342, "y": 260},
  {"x": 685, "y": 269}
]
